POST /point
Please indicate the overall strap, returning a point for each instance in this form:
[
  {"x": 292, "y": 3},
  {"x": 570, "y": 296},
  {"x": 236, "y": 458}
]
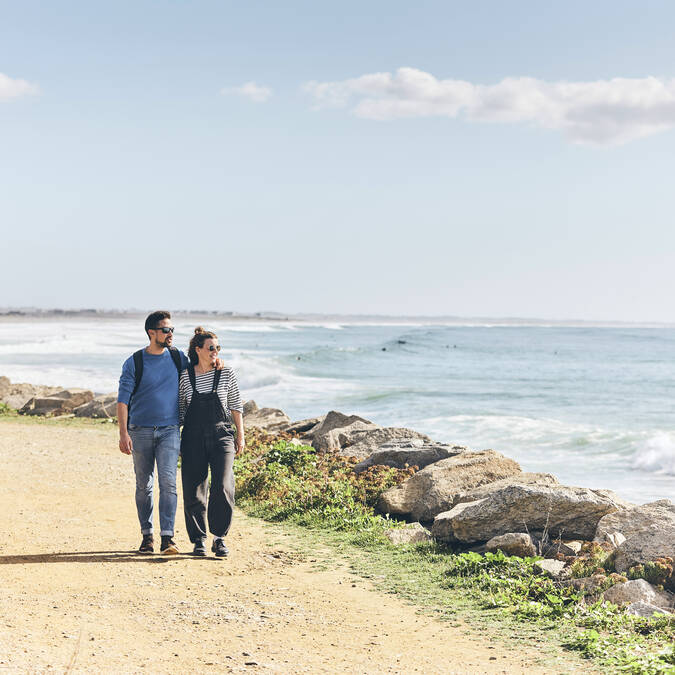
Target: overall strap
[
  {"x": 191, "y": 375},
  {"x": 216, "y": 380}
]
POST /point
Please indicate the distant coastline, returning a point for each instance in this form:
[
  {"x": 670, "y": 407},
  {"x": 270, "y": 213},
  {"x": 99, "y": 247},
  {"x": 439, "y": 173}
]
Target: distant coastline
[{"x": 27, "y": 313}]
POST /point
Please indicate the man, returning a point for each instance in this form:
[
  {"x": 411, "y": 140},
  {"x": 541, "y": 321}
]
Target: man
[{"x": 147, "y": 413}]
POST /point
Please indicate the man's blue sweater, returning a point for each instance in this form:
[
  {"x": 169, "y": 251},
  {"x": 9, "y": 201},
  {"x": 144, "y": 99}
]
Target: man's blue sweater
[{"x": 155, "y": 402}]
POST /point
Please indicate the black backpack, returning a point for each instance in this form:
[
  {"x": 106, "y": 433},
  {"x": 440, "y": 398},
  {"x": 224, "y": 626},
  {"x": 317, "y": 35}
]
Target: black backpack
[{"x": 138, "y": 368}]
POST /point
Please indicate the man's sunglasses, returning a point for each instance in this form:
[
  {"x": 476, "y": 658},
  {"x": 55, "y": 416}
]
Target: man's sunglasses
[{"x": 165, "y": 329}]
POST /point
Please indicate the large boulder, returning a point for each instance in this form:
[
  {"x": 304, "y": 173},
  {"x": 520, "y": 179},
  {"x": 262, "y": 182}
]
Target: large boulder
[
  {"x": 250, "y": 407},
  {"x": 365, "y": 443},
  {"x": 305, "y": 428},
  {"x": 656, "y": 541},
  {"x": 559, "y": 509},
  {"x": 512, "y": 543},
  {"x": 270, "y": 420},
  {"x": 412, "y": 452},
  {"x": 104, "y": 406},
  {"x": 435, "y": 488},
  {"x": 337, "y": 430},
  {"x": 413, "y": 533},
  {"x": 4, "y": 385},
  {"x": 629, "y": 522},
  {"x": 17, "y": 394},
  {"x": 524, "y": 478},
  {"x": 639, "y": 590},
  {"x": 62, "y": 402}
]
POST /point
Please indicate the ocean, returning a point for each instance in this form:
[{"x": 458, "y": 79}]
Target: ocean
[{"x": 593, "y": 405}]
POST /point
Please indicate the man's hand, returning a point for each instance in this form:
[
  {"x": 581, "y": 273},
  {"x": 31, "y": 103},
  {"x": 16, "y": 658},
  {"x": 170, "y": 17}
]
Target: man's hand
[
  {"x": 220, "y": 364},
  {"x": 126, "y": 445}
]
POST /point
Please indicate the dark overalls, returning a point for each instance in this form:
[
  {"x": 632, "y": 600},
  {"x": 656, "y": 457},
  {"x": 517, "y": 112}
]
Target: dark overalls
[{"x": 207, "y": 441}]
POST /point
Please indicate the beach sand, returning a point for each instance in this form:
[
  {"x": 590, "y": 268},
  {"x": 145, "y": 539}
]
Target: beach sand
[{"x": 75, "y": 598}]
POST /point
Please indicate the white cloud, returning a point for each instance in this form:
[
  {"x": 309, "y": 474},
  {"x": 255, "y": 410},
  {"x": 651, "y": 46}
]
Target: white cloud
[
  {"x": 13, "y": 88},
  {"x": 250, "y": 90},
  {"x": 603, "y": 112}
]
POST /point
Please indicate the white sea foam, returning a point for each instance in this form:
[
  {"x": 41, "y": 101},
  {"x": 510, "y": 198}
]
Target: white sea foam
[{"x": 657, "y": 454}]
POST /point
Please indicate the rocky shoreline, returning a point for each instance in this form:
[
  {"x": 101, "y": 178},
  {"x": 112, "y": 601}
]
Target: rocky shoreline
[{"x": 478, "y": 500}]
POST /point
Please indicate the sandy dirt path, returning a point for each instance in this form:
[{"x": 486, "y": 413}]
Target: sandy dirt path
[{"x": 75, "y": 598}]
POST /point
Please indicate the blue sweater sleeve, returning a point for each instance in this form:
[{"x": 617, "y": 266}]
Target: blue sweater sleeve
[{"x": 127, "y": 381}]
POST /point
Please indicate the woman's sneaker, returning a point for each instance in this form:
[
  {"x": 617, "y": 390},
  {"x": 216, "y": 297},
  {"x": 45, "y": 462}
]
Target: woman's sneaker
[
  {"x": 147, "y": 545},
  {"x": 219, "y": 548},
  {"x": 200, "y": 548},
  {"x": 168, "y": 546}
]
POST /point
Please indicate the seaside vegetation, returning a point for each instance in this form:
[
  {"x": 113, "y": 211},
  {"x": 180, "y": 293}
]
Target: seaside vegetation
[{"x": 320, "y": 495}]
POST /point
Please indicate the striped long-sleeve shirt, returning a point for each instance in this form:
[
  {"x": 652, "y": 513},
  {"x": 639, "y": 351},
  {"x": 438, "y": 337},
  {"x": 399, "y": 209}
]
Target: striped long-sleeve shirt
[{"x": 228, "y": 391}]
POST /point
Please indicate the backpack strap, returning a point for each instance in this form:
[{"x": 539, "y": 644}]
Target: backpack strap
[
  {"x": 138, "y": 374},
  {"x": 175, "y": 355},
  {"x": 138, "y": 370}
]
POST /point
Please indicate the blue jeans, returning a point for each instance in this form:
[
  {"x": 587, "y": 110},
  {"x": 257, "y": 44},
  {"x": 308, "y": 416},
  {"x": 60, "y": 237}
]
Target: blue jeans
[{"x": 150, "y": 445}]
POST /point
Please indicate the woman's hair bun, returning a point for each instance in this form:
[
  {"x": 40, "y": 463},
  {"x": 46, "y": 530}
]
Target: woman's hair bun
[{"x": 199, "y": 330}]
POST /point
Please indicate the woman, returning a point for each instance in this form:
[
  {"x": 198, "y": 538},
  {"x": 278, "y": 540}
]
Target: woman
[{"x": 209, "y": 403}]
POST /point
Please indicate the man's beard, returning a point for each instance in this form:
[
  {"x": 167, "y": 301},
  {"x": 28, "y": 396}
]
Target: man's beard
[{"x": 166, "y": 342}]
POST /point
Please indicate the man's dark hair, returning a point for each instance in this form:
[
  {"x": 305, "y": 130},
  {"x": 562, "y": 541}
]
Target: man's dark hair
[{"x": 154, "y": 318}]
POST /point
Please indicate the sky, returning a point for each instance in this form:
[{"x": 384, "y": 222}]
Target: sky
[{"x": 429, "y": 158}]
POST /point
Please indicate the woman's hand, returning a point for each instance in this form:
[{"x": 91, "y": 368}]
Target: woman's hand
[{"x": 239, "y": 445}]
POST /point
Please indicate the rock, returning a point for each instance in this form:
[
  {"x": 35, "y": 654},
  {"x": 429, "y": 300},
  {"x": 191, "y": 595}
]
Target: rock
[
  {"x": 657, "y": 541},
  {"x": 644, "y": 609},
  {"x": 524, "y": 508},
  {"x": 589, "y": 585},
  {"x": 337, "y": 429},
  {"x": 365, "y": 443},
  {"x": 104, "y": 406},
  {"x": 18, "y": 394},
  {"x": 62, "y": 402},
  {"x": 513, "y": 543},
  {"x": 250, "y": 407},
  {"x": 413, "y": 452},
  {"x": 296, "y": 441},
  {"x": 552, "y": 568},
  {"x": 270, "y": 420},
  {"x": 614, "y": 539},
  {"x": 524, "y": 478},
  {"x": 615, "y": 528},
  {"x": 304, "y": 427},
  {"x": 434, "y": 489},
  {"x": 558, "y": 547},
  {"x": 639, "y": 590},
  {"x": 414, "y": 533}
]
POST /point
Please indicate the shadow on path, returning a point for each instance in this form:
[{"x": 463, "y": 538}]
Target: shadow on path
[{"x": 94, "y": 557}]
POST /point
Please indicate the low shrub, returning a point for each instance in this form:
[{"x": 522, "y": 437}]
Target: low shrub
[
  {"x": 659, "y": 572},
  {"x": 280, "y": 480}
]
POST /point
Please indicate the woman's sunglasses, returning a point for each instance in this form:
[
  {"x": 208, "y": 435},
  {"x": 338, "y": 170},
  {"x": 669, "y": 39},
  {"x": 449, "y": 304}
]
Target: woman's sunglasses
[
  {"x": 214, "y": 348},
  {"x": 165, "y": 329}
]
